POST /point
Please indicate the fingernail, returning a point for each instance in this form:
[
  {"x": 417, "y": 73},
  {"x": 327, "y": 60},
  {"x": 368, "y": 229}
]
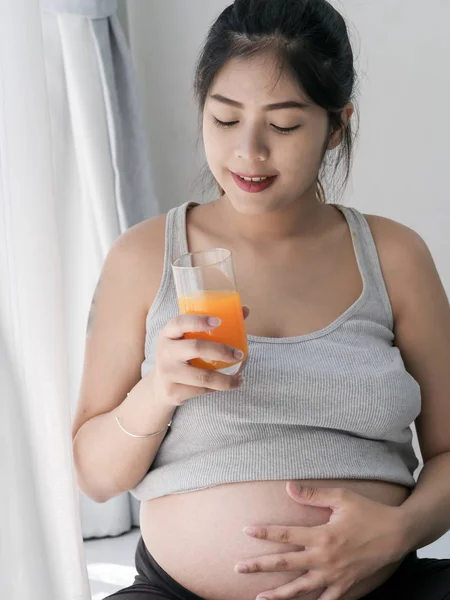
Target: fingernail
[
  {"x": 240, "y": 380},
  {"x": 214, "y": 321},
  {"x": 237, "y": 381},
  {"x": 249, "y": 530},
  {"x": 238, "y": 354},
  {"x": 241, "y": 568}
]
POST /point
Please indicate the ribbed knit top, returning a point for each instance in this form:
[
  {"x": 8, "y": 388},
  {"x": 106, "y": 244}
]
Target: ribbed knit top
[{"x": 333, "y": 404}]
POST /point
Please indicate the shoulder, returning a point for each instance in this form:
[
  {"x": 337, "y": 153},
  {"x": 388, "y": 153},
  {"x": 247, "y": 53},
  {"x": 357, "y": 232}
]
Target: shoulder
[
  {"x": 149, "y": 233},
  {"x": 405, "y": 258},
  {"x": 397, "y": 243},
  {"x": 142, "y": 243},
  {"x": 136, "y": 258}
]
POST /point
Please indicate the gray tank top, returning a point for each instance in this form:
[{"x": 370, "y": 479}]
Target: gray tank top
[{"x": 333, "y": 404}]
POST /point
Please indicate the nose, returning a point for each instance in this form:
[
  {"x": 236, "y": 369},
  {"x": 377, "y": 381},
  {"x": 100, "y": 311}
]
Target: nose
[{"x": 251, "y": 146}]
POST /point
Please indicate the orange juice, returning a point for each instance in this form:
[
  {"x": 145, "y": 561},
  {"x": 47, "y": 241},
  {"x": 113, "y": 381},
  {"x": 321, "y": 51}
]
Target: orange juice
[{"x": 227, "y": 306}]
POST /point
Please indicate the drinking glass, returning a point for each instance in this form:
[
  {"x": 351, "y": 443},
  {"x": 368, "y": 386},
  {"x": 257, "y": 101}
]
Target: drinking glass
[{"x": 206, "y": 285}]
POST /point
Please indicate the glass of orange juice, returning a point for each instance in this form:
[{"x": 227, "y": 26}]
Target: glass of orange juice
[{"x": 206, "y": 285}]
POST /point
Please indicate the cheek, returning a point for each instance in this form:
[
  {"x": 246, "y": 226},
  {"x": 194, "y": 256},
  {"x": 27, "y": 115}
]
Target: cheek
[
  {"x": 302, "y": 158},
  {"x": 214, "y": 153},
  {"x": 302, "y": 163},
  {"x": 213, "y": 149}
]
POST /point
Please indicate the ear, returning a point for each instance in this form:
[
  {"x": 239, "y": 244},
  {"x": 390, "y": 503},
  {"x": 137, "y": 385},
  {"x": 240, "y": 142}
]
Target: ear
[{"x": 337, "y": 135}]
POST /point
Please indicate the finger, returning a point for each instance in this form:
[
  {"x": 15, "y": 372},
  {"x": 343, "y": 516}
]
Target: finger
[
  {"x": 304, "y": 584},
  {"x": 203, "y": 378},
  {"x": 177, "y": 327},
  {"x": 270, "y": 563},
  {"x": 185, "y": 392},
  {"x": 243, "y": 364},
  {"x": 299, "y": 536},
  {"x": 205, "y": 349},
  {"x": 331, "y": 593},
  {"x": 332, "y": 498}
]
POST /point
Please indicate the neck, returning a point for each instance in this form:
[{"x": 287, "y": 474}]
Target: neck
[{"x": 295, "y": 220}]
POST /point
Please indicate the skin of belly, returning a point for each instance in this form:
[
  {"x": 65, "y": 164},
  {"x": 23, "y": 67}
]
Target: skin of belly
[{"x": 197, "y": 537}]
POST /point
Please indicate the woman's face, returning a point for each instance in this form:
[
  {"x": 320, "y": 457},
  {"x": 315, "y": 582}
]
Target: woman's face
[{"x": 253, "y": 145}]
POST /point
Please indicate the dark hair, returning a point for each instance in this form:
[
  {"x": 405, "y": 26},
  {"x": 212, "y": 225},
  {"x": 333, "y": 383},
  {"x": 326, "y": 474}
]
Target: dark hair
[{"x": 310, "y": 40}]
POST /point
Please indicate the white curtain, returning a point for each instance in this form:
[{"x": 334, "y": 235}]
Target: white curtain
[
  {"x": 73, "y": 175},
  {"x": 41, "y": 544},
  {"x": 101, "y": 177}
]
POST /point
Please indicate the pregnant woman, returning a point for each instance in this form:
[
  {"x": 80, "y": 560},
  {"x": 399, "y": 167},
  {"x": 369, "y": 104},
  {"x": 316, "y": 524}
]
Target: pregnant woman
[{"x": 349, "y": 344}]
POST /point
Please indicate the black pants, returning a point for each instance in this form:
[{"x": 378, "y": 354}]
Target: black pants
[{"x": 415, "y": 579}]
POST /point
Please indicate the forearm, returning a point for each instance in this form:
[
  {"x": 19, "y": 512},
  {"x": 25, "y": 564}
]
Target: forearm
[
  {"x": 107, "y": 460},
  {"x": 426, "y": 513}
]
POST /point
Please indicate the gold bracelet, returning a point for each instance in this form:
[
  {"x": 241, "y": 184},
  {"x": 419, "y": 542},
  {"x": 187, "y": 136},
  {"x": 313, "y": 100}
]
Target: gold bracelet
[{"x": 141, "y": 436}]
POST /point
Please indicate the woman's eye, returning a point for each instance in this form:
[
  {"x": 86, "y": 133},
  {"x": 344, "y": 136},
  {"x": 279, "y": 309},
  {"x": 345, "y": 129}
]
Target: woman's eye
[
  {"x": 286, "y": 129},
  {"x": 223, "y": 123},
  {"x": 227, "y": 124}
]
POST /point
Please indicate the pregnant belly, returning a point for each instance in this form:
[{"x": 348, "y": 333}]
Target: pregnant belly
[{"x": 197, "y": 537}]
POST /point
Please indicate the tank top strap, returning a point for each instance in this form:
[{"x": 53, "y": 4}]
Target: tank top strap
[
  {"x": 368, "y": 259},
  {"x": 175, "y": 245},
  {"x": 176, "y": 238}
]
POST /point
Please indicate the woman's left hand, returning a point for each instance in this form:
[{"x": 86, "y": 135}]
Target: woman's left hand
[{"x": 360, "y": 538}]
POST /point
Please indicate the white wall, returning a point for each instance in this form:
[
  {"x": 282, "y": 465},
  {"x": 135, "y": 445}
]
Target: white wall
[{"x": 402, "y": 158}]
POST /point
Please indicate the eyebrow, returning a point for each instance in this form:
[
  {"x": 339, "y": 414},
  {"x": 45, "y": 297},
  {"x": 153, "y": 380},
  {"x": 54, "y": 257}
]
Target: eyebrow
[{"x": 276, "y": 106}]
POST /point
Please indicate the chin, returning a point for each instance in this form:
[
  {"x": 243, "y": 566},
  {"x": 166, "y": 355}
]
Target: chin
[{"x": 253, "y": 204}]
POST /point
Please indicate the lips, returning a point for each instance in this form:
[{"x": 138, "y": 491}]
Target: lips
[
  {"x": 247, "y": 175},
  {"x": 253, "y": 186}
]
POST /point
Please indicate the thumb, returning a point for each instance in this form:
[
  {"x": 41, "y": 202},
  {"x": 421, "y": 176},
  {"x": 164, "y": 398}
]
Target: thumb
[{"x": 323, "y": 497}]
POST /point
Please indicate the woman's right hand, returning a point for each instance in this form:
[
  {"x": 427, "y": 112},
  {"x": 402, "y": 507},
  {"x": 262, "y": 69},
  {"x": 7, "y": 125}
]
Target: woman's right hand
[{"x": 174, "y": 380}]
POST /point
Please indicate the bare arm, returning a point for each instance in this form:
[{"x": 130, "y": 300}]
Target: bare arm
[
  {"x": 109, "y": 462},
  {"x": 422, "y": 333}
]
